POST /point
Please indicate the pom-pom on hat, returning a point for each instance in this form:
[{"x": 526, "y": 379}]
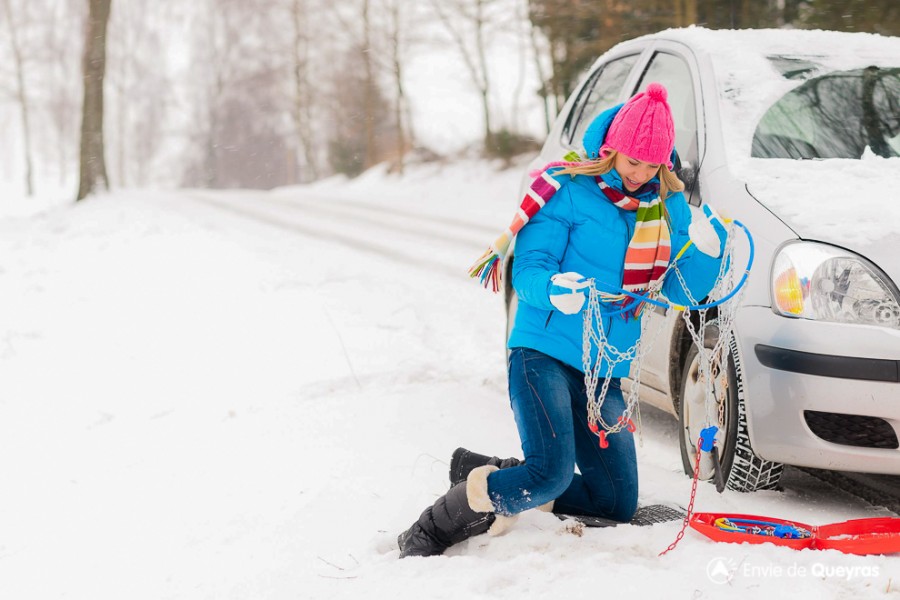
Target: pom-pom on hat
[{"x": 643, "y": 127}]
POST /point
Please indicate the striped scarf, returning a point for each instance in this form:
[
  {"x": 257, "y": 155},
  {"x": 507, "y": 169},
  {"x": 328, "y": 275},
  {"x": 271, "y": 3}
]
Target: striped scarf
[{"x": 646, "y": 258}]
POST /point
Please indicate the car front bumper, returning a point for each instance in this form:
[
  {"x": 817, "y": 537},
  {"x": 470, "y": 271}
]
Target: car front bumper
[{"x": 798, "y": 374}]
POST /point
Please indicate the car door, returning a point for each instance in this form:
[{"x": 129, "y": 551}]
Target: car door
[{"x": 674, "y": 66}]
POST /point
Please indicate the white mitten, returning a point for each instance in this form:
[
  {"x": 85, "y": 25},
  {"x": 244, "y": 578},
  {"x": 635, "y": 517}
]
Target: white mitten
[
  {"x": 707, "y": 231},
  {"x": 567, "y": 292}
]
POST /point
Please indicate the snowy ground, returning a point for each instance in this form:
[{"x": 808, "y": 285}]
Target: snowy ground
[{"x": 248, "y": 395}]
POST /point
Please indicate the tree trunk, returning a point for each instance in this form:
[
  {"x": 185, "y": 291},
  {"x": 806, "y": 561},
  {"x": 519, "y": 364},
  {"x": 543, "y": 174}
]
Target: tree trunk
[
  {"x": 302, "y": 90},
  {"x": 370, "y": 157},
  {"x": 483, "y": 69},
  {"x": 685, "y": 13},
  {"x": 539, "y": 67},
  {"x": 397, "y": 69},
  {"x": 93, "y": 164},
  {"x": 21, "y": 96},
  {"x": 477, "y": 64}
]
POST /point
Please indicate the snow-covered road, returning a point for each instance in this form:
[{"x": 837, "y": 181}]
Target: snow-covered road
[
  {"x": 402, "y": 236},
  {"x": 248, "y": 395}
]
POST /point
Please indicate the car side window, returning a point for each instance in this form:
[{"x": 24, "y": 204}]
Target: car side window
[
  {"x": 601, "y": 91},
  {"x": 674, "y": 73}
]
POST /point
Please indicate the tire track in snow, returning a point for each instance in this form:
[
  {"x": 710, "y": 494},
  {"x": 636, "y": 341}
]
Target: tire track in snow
[
  {"x": 442, "y": 222},
  {"x": 435, "y": 228},
  {"x": 394, "y": 254}
]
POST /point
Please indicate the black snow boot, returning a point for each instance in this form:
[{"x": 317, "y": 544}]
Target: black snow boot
[
  {"x": 461, "y": 513},
  {"x": 463, "y": 461}
]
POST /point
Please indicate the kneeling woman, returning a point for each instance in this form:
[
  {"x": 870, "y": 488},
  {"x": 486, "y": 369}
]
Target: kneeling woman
[{"x": 615, "y": 219}]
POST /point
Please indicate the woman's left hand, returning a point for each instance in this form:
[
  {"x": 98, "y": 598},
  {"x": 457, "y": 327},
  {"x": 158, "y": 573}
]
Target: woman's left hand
[{"x": 709, "y": 234}]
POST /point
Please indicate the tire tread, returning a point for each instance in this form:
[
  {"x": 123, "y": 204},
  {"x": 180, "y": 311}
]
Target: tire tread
[{"x": 749, "y": 472}]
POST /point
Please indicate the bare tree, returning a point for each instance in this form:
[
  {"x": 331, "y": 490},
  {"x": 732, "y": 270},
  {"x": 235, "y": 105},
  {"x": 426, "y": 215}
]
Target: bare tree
[
  {"x": 304, "y": 92},
  {"x": 685, "y": 12},
  {"x": 370, "y": 26},
  {"x": 241, "y": 129},
  {"x": 876, "y": 16},
  {"x": 21, "y": 95},
  {"x": 538, "y": 53},
  {"x": 399, "y": 18},
  {"x": 60, "y": 68},
  {"x": 362, "y": 41},
  {"x": 368, "y": 100},
  {"x": 466, "y": 21},
  {"x": 139, "y": 89},
  {"x": 93, "y": 161}
]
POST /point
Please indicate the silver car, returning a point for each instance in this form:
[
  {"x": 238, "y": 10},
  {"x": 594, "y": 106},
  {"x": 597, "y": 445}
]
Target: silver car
[{"x": 796, "y": 134}]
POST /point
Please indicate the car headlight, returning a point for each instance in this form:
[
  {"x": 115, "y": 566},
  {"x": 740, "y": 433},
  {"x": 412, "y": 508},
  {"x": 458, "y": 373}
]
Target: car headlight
[{"x": 826, "y": 283}]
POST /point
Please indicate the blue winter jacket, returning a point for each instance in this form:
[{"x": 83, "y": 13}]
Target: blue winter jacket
[{"x": 580, "y": 230}]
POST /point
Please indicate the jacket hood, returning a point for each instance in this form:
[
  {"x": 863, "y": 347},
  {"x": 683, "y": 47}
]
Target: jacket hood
[{"x": 596, "y": 131}]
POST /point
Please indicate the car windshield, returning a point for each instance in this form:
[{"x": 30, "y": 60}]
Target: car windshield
[{"x": 844, "y": 114}]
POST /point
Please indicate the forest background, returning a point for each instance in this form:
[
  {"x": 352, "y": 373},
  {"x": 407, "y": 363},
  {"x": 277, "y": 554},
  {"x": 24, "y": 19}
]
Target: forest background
[{"x": 264, "y": 93}]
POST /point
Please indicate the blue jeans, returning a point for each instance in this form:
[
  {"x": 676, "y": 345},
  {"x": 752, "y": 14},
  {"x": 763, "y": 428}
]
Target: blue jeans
[{"x": 549, "y": 401}]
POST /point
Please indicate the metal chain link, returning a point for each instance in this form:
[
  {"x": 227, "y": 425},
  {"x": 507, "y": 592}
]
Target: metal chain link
[{"x": 690, "y": 508}]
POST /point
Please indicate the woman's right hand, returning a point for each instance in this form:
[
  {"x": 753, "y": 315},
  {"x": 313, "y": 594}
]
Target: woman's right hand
[{"x": 567, "y": 292}]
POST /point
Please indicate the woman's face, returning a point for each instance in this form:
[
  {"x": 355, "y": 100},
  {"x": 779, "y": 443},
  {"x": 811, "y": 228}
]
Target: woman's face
[{"x": 634, "y": 173}]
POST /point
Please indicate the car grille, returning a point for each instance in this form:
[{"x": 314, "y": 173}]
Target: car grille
[{"x": 852, "y": 430}]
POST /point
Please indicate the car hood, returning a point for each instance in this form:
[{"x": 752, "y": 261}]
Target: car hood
[{"x": 854, "y": 204}]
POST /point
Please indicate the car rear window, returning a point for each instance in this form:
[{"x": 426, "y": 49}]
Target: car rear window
[{"x": 843, "y": 114}]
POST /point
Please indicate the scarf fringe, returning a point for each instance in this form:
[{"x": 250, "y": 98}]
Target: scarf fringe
[
  {"x": 632, "y": 313},
  {"x": 487, "y": 270}
]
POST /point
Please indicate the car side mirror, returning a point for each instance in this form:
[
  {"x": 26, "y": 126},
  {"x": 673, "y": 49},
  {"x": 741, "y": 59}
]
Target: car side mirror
[{"x": 688, "y": 175}]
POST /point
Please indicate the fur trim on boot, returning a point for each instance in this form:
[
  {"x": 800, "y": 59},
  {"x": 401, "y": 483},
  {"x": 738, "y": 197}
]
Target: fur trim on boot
[
  {"x": 502, "y": 524},
  {"x": 476, "y": 489}
]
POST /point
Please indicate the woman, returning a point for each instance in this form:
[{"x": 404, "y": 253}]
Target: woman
[{"x": 614, "y": 219}]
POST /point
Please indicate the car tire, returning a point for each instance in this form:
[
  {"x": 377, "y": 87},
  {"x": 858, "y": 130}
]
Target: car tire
[{"x": 741, "y": 468}]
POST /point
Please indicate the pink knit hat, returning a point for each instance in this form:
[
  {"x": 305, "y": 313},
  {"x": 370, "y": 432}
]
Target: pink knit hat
[{"x": 643, "y": 127}]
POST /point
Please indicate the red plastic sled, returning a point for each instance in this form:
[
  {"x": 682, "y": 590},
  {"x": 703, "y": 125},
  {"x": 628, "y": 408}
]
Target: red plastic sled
[{"x": 879, "y": 535}]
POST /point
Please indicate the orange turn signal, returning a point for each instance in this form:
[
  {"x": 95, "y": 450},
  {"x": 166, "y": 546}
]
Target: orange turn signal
[{"x": 789, "y": 292}]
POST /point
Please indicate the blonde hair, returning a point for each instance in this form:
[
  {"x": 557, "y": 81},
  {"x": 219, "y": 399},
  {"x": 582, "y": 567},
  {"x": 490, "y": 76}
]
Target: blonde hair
[{"x": 668, "y": 181}]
